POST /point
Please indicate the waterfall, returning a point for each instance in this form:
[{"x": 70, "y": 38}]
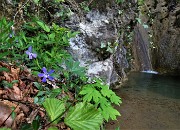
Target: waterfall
[{"x": 140, "y": 47}]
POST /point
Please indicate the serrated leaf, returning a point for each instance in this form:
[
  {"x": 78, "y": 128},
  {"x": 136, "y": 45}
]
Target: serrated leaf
[
  {"x": 106, "y": 92},
  {"x": 83, "y": 117},
  {"x": 54, "y": 108},
  {"x": 109, "y": 112},
  {"x": 90, "y": 93},
  {"x": 115, "y": 99}
]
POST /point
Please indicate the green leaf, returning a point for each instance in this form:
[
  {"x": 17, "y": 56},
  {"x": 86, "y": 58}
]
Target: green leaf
[
  {"x": 115, "y": 99},
  {"x": 145, "y": 26},
  {"x": 83, "y": 117},
  {"x": 51, "y": 36},
  {"x": 38, "y": 86},
  {"x": 5, "y": 128},
  {"x": 73, "y": 66},
  {"x": 55, "y": 92},
  {"x": 36, "y": 1},
  {"x": 90, "y": 93},
  {"x": 109, "y": 49},
  {"x": 13, "y": 115},
  {"x": 43, "y": 26},
  {"x": 54, "y": 108},
  {"x": 52, "y": 128},
  {"x": 139, "y": 20},
  {"x": 59, "y": 0},
  {"x": 4, "y": 54},
  {"x": 106, "y": 91},
  {"x": 26, "y": 126},
  {"x": 35, "y": 124},
  {"x": 109, "y": 112},
  {"x": 118, "y": 128},
  {"x": 103, "y": 45},
  {"x": 4, "y": 69}
]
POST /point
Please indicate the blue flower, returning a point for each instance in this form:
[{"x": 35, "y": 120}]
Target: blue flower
[
  {"x": 30, "y": 54},
  {"x": 46, "y": 75},
  {"x": 10, "y": 35}
]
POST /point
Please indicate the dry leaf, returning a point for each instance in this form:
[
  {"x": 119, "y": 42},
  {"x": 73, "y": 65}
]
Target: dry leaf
[{"x": 5, "y": 111}]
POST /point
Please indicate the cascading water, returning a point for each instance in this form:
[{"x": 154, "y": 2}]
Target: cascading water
[{"x": 141, "y": 48}]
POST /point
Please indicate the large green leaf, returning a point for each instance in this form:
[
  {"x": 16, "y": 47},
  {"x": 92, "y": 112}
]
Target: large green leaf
[
  {"x": 54, "y": 108},
  {"x": 84, "y": 117}
]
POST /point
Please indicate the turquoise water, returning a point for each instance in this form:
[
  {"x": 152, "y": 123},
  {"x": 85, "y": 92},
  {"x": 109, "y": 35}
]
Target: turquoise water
[
  {"x": 161, "y": 85},
  {"x": 149, "y": 102}
]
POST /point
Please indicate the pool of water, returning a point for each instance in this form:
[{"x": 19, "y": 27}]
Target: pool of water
[
  {"x": 150, "y": 102},
  {"x": 160, "y": 85}
]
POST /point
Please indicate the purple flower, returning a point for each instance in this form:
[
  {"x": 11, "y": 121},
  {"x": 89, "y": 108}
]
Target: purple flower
[
  {"x": 10, "y": 35},
  {"x": 30, "y": 54},
  {"x": 46, "y": 74}
]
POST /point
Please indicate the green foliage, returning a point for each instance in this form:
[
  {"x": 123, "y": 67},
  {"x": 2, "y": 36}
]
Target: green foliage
[
  {"x": 84, "y": 6},
  {"x": 52, "y": 128},
  {"x": 84, "y": 116},
  {"x": 35, "y": 125},
  {"x": 74, "y": 68},
  {"x": 102, "y": 97},
  {"x": 49, "y": 42},
  {"x": 8, "y": 51},
  {"x": 54, "y": 108},
  {"x": 7, "y": 84},
  {"x": 26, "y": 126},
  {"x": 109, "y": 47},
  {"x": 140, "y": 2},
  {"x": 5, "y": 128},
  {"x": 119, "y": 1}
]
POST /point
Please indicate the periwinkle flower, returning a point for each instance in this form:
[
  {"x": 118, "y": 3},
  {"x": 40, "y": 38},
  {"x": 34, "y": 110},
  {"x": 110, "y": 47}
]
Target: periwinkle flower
[
  {"x": 30, "y": 54},
  {"x": 10, "y": 35},
  {"x": 46, "y": 75}
]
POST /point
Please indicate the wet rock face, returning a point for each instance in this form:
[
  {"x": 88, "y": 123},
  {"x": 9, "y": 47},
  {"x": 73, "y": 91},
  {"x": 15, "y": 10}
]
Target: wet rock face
[
  {"x": 99, "y": 30},
  {"x": 86, "y": 48},
  {"x": 166, "y": 35}
]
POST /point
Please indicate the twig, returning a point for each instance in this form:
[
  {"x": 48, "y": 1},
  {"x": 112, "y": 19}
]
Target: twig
[
  {"x": 26, "y": 103},
  {"x": 14, "y": 18},
  {"x": 9, "y": 115},
  {"x": 90, "y": 2}
]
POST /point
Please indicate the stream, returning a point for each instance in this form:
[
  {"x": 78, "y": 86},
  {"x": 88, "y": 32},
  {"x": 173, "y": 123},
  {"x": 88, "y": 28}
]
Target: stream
[{"x": 150, "y": 102}]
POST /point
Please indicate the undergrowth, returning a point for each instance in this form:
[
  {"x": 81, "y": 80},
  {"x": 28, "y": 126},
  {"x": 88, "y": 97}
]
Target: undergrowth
[{"x": 62, "y": 88}]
